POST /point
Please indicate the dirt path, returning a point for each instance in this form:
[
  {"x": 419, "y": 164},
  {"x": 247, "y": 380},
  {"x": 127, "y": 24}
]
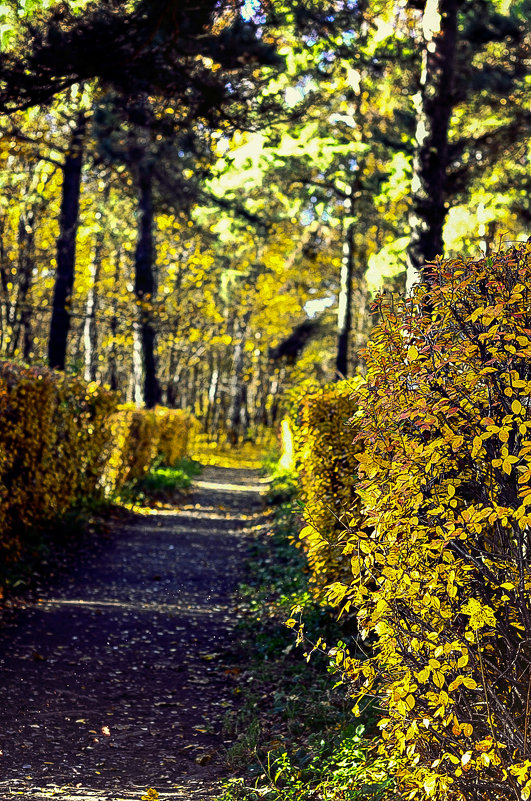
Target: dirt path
[{"x": 118, "y": 678}]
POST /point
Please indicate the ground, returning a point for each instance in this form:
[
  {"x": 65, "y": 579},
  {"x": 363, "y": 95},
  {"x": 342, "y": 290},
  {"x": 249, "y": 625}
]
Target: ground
[{"x": 119, "y": 674}]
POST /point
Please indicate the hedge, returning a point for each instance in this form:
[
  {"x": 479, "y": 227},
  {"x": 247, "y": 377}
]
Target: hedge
[
  {"x": 442, "y": 578},
  {"x": 64, "y": 442},
  {"x": 325, "y": 460}
]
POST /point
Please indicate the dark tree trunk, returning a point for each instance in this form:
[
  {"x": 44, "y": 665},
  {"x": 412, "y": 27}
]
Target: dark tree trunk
[
  {"x": 4, "y": 281},
  {"x": 22, "y": 312},
  {"x": 66, "y": 247},
  {"x": 145, "y": 287},
  {"x": 113, "y": 356},
  {"x": 434, "y": 108},
  {"x": 344, "y": 315},
  {"x": 173, "y": 377}
]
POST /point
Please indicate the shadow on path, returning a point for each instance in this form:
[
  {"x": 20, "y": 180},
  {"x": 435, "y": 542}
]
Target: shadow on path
[{"x": 119, "y": 677}]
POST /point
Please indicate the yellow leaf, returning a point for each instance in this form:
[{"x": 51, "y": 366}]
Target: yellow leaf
[
  {"x": 412, "y": 353},
  {"x": 438, "y": 678},
  {"x": 516, "y": 406}
]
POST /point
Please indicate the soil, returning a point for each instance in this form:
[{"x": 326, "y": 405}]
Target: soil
[{"x": 118, "y": 676}]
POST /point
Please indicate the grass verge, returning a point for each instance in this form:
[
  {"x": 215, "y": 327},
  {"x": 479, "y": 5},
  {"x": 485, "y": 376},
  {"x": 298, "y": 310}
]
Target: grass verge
[{"x": 295, "y": 734}]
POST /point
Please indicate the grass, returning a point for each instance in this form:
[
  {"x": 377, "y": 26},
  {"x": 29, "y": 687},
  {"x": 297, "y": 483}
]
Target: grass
[
  {"x": 166, "y": 480},
  {"x": 295, "y": 734},
  {"x": 161, "y": 484}
]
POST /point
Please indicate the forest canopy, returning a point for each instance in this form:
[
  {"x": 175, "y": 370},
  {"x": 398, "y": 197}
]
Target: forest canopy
[{"x": 198, "y": 199}]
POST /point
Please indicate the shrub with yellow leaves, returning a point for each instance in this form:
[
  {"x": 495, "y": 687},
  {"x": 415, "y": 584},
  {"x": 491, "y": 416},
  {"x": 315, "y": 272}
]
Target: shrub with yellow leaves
[
  {"x": 63, "y": 442},
  {"x": 325, "y": 459},
  {"x": 145, "y": 436},
  {"x": 139, "y": 447},
  {"x": 53, "y": 440},
  {"x": 442, "y": 577},
  {"x": 175, "y": 429}
]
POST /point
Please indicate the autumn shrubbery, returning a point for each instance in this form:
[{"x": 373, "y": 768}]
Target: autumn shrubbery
[
  {"x": 53, "y": 437},
  {"x": 326, "y": 463},
  {"x": 146, "y": 437},
  {"x": 64, "y": 443},
  {"x": 441, "y": 575}
]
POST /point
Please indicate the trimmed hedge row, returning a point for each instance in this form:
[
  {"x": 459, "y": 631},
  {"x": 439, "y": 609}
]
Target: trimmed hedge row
[
  {"x": 64, "y": 442},
  {"x": 325, "y": 460},
  {"x": 145, "y": 437},
  {"x": 433, "y": 550}
]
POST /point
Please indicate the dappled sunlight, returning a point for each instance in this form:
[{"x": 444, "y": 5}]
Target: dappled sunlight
[
  {"x": 225, "y": 487},
  {"x": 14, "y": 789},
  {"x": 247, "y": 455},
  {"x": 128, "y": 606}
]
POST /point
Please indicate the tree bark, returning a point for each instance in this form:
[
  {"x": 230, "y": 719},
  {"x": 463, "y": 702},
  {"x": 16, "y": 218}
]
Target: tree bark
[
  {"x": 66, "y": 246},
  {"x": 145, "y": 287},
  {"x": 236, "y": 389},
  {"x": 434, "y": 104},
  {"x": 113, "y": 355},
  {"x": 90, "y": 331},
  {"x": 344, "y": 314},
  {"x": 22, "y": 313}
]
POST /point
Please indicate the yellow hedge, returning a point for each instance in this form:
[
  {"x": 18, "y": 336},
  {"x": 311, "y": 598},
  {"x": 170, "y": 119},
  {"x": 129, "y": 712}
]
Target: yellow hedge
[
  {"x": 325, "y": 458},
  {"x": 143, "y": 437},
  {"x": 63, "y": 442},
  {"x": 53, "y": 442},
  {"x": 442, "y": 582},
  {"x": 175, "y": 430}
]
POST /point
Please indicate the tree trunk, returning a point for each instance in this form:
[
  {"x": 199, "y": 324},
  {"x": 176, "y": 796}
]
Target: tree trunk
[
  {"x": 26, "y": 254},
  {"x": 4, "y": 281},
  {"x": 66, "y": 246},
  {"x": 344, "y": 315},
  {"x": 113, "y": 356},
  {"x": 90, "y": 331},
  {"x": 137, "y": 387},
  {"x": 434, "y": 104},
  {"x": 145, "y": 287},
  {"x": 236, "y": 393},
  {"x": 213, "y": 386}
]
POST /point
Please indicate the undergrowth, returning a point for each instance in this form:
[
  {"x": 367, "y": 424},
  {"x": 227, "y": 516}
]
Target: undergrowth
[
  {"x": 295, "y": 734},
  {"x": 160, "y": 483}
]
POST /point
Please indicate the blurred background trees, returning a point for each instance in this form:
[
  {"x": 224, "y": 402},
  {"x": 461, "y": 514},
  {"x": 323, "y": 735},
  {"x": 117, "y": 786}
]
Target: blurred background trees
[{"x": 198, "y": 200}]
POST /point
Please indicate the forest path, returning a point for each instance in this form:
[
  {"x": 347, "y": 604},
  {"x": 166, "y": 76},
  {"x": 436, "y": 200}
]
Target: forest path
[{"x": 118, "y": 678}]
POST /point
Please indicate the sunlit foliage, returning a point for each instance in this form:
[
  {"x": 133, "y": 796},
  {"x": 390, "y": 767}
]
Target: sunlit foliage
[
  {"x": 64, "y": 443},
  {"x": 441, "y": 573},
  {"x": 326, "y": 463}
]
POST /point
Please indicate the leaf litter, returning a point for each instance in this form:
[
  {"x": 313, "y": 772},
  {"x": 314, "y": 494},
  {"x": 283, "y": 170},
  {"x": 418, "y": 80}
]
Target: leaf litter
[{"x": 118, "y": 676}]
